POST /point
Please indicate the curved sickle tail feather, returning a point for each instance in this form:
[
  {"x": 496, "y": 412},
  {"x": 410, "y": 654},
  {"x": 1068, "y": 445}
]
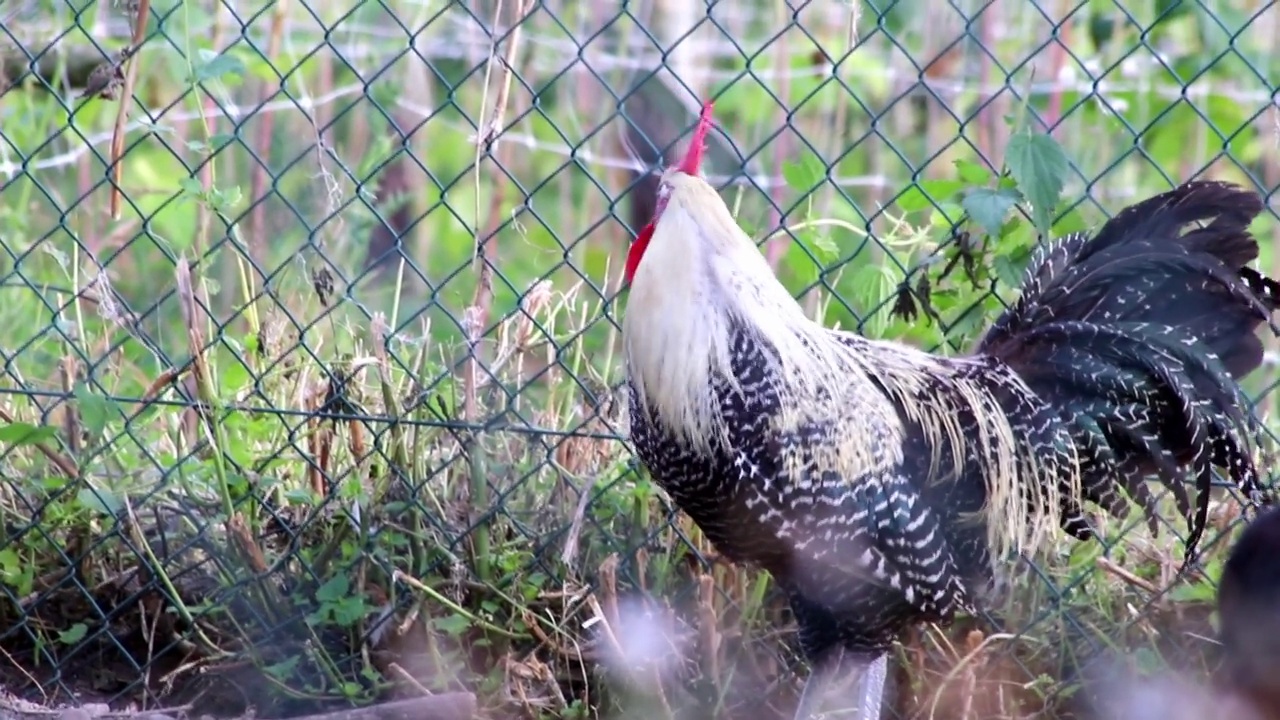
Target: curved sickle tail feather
[{"x": 1137, "y": 337}]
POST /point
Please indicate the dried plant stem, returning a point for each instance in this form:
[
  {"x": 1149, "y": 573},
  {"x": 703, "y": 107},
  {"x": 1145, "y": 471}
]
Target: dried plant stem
[
  {"x": 122, "y": 113},
  {"x": 257, "y": 221},
  {"x": 485, "y": 249},
  {"x": 1057, "y": 60},
  {"x": 415, "y": 583},
  {"x": 962, "y": 665},
  {"x": 205, "y": 391},
  {"x": 1125, "y": 575},
  {"x": 777, "y": 246}
]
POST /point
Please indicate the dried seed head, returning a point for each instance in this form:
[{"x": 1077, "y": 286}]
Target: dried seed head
[
  {"x": 322, "y": 283},
  {"x": 538, "y": 298},
  {"x": 534, "y": 305},
  {"x": 471, "y": 323}
]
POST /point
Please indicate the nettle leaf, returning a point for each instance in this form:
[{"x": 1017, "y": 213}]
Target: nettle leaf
[
  {"x": 20, "y": 433},
  {"x": 191, "y": 186},
  {"x": 945, "y": 215},
  {"x": 1040, "y": 166},
  {"x": 95, "y": 410},
  {"x": 824, "y": 249},
  {"x": 804, "y": 175},
  {"x": 802, "y": 263},
  {"x": 452, "y": 625},
  {"x": 217, "y": 66},
  {"x": 927, "y": 194},
  {"x": 972, "y": 172},
  {"x": 1009, "y": 269},
  {"x": 73, "y": 634},
  {"x": 214, "y": 144},
  {"x": 988, "y": 206},
  {"x": 100, "y": 500},
  {"x": 334, "y": 590}
]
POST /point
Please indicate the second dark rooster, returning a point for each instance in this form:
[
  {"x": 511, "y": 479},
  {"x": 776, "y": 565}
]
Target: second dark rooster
[{"x": 1249, "y": 615}]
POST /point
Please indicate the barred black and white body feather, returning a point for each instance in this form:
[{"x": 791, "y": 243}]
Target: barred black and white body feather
[{"x": 879, "y": 484}]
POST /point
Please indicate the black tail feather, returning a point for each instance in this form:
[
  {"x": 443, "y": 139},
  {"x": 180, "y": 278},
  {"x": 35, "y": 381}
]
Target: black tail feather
[{"x": 1137, "y": 336}]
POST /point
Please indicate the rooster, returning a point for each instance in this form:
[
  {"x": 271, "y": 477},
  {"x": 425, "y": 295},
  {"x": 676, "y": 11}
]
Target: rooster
[
  {"x": 880, "y": 485},
  {"x": 1249, "y": 614}
]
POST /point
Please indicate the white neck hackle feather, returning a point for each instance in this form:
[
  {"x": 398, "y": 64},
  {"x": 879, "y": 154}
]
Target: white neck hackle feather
[{"x": 700, "y": 270}]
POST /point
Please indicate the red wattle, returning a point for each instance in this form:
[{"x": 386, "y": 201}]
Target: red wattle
[{"x": 637, "y": 251}]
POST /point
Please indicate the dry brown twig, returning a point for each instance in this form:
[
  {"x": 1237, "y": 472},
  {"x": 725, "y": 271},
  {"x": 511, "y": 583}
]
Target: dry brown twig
[
  {"x": 710, "y": 632},
  {"x": 122, "y": 113},
  {"x": 1110, "y": 567},
  {"x": 484, "y": 251},
  {"x": 975, "y": 648},
  {"x": 409, "y": 679}
]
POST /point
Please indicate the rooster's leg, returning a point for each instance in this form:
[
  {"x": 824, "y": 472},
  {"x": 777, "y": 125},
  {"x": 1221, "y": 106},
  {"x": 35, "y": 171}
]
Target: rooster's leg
[{"x": 868, "y": 695}]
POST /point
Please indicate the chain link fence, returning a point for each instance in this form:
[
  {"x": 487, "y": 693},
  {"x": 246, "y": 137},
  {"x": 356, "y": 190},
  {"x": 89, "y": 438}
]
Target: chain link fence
[{"x": 310, "y": 339}]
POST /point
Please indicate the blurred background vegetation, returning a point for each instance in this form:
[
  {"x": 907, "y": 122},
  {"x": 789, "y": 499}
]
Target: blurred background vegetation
[{"x": 308, "y": 314}]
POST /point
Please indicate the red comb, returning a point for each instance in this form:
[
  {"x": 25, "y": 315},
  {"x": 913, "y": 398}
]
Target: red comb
[{"x": 692, "y": 163}]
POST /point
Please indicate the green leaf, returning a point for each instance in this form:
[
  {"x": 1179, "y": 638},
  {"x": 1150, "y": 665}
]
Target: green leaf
[
  {"x": 17, "y": 575},
  {"x": 215, "y": 143},
  {"x": 946, "y": 215},
  {"x": 349, "y": 611},
  {"x": 224, "y": 200},
  {"x": 20, "y": 433},
  {"x": 453, "y": 625},
  {"x": 300, "y": 494},
  {"x": 801, "y": 263},
  {"x": 824, "y": 249},
  {"x": 1040, "y": 166},
  {"x": 95, "y": 410},
  {"x": 73, "y": 634},
  {"x": 1016, "y": 233},
  {"x": 1072, "y": 222},
  {"x": 868, "y": 288},
  {"x": 379, "y": 154},
  {"x": 101, "y": 501},
  {"x": 1193, "y": 592},
  {"x": 284, "y": 668},
  {"x": 1008, "y": 270},
  {"x": 335, "y": 589},
  {"x": 802, "y": 176},
  {"x": 926, "y": 194},
  {"x": 972, "y": 172},
  {"x": 214, "y": 66},
  {"x": 988, "y": 207},
  {"x": 191, "y": 186},
  {"x": 10, "y": 564},
  {"x": 972, "y": 320}
]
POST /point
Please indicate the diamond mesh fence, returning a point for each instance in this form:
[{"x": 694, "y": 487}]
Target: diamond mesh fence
[{"x": 310, "y": 331}]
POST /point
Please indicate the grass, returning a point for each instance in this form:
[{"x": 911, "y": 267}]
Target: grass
[{"x": 246, "y": 470}]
